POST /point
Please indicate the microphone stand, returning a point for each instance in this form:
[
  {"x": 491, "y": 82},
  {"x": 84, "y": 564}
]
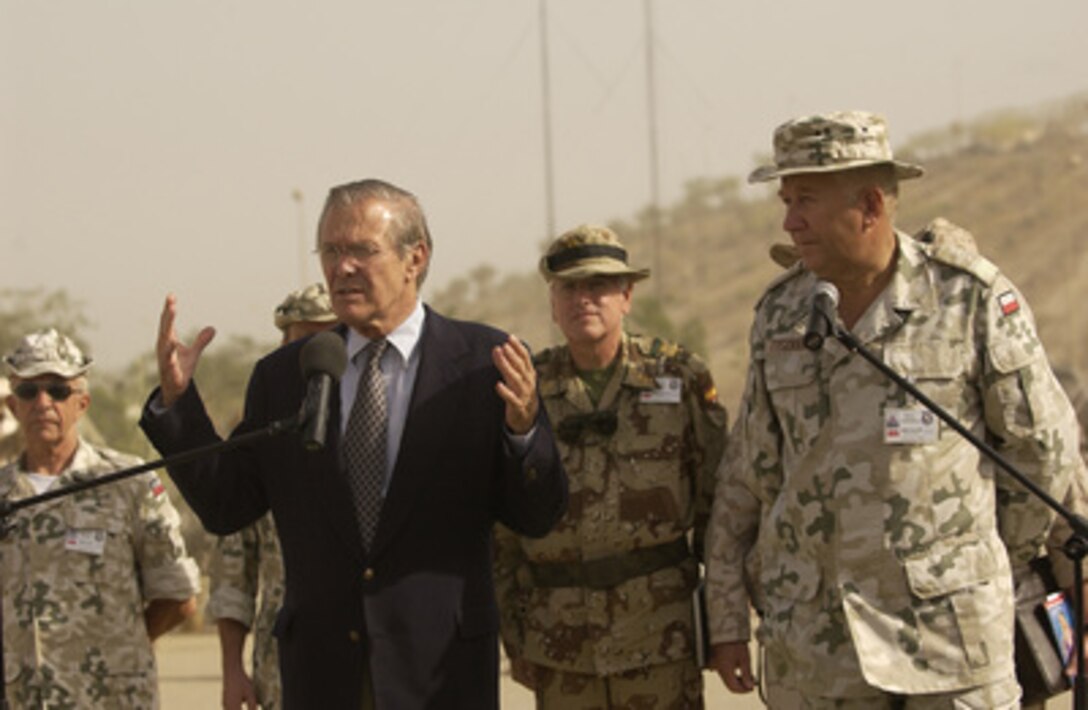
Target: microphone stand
[
  {"x": 7, "y": 507},
  {"x": 1075, "y": 548}
]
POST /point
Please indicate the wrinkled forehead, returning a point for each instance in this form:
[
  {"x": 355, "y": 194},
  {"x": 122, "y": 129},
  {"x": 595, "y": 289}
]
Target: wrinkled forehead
[{"x": 358, "y": 220}]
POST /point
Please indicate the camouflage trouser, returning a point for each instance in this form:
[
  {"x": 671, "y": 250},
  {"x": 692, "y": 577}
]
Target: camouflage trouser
[
  {"x": 671, "y": 686},
  {"x": 1001, "y": 695}
]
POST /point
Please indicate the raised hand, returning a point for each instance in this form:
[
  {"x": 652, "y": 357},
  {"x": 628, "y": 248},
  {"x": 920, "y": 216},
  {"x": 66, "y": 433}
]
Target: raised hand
[
  {"x": 518, "y": 385},
  {"x": 177, "y": 361}
]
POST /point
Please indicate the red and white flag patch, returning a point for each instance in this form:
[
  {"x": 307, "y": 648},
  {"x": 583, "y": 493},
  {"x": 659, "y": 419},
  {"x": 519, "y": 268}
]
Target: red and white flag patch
[
  {"x": 1008, "y": 303},
  {"x": 157, "y": 488}
]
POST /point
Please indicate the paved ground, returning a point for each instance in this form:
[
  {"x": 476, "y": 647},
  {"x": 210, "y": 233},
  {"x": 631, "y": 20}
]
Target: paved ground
[{"x": 189, "y": 679}]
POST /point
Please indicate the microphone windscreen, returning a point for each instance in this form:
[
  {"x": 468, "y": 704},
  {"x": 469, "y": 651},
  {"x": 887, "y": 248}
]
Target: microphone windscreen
[
  {"x": 325, "y": 353},
  {"x": 826, "y": 288}
]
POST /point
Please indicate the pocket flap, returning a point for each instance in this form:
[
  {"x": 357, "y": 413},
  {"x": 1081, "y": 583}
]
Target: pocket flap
[{"x": 950, "y": 565}]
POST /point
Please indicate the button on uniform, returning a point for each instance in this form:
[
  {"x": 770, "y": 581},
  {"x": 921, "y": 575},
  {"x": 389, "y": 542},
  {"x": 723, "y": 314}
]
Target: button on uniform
[{"x": 368, "y": 574}]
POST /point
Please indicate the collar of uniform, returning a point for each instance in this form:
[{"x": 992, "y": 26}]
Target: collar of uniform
[
  {"x": 908, "y": 291},
  {"x": 638, "y": 371},
  {"x": 7, "y": 479},
  {"x": 635, "y": 372},
  {"x": 83, "y": 467}
]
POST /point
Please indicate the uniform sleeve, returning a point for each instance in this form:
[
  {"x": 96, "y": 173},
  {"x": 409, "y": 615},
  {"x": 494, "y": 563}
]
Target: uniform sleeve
[
  {"x": 234, "y": 572},
  {"x": 753, "y": 453},
  {"x": 709, "y": 423},
  {"x": 166, "y": 570},
  {"x": 1028, "y": 417},
  {"x": 509, "y": 561},
  {"x": 1076, "y": 500}
]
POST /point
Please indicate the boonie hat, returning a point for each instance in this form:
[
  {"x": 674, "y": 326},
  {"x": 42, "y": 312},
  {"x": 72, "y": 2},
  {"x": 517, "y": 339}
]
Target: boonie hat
[
  {"x": 830, "y": 142},
  {"x": 47, "y": 352},
  {"x": 587, "y": 250},
  {"x": 307, "y": 305}
]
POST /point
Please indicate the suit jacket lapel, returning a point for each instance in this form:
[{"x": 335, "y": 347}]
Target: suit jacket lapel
[{"x": 328, "y": 471}]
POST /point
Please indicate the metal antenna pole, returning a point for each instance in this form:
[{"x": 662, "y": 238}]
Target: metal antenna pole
[
  {"x": 545, "y": 88},
  {"x": 651, "y": 113}
]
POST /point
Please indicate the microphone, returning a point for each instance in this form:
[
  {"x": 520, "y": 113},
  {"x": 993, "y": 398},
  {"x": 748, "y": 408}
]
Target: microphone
[
  {"x": 323, "y": 359},
  {"x": 825, "y": 298}
]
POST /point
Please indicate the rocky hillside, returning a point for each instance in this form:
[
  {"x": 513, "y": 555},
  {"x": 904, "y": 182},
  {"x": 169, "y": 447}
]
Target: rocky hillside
[{"x": 1018, "y": 180}]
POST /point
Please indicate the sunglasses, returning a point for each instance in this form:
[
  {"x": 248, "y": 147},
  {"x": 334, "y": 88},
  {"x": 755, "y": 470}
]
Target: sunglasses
[{"x": 58, "y": 391}]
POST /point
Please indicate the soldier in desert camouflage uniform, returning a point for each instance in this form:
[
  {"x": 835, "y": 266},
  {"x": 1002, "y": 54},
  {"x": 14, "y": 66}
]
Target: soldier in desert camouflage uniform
[
  {"x": 246, "y": 569},
  {"x": 870, "y": 531},
  {"x": 598, "y": 614},
  {"x": 90, "y": 579}
]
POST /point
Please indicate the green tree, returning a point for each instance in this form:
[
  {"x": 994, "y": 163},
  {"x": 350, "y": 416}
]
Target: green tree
[{"x": 24, "y": 311}]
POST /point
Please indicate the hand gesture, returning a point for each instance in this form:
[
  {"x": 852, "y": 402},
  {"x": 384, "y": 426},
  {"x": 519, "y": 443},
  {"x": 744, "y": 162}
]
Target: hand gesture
[
  {"x": 518, "y": 385},
  {"x": 177, "y": 361}
]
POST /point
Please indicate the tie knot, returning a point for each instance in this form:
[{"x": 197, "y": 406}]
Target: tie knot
[{"x": 374, "y": 351}]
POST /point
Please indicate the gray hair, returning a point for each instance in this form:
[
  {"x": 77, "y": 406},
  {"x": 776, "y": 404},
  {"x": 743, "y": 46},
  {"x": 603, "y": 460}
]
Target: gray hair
[
  {"x": 409, "y": 224},
  {"x": 881, "y": 176}
]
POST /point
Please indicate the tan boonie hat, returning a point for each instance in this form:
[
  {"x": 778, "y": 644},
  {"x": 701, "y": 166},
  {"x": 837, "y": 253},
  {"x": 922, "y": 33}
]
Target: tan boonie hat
[
  {"x": 587, "y": 250},
  {"x": 831, "y": 142},
  {"x": 308, "y": 305},
  {"x": 47, "y": 352}
]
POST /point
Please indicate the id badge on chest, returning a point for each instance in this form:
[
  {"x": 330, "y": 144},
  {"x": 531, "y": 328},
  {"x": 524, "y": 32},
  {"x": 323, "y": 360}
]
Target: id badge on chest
[
  {"x": 89, "y": 542},
  {"x": 667, "y": 391},
  {"x": 910, "y": 425}
]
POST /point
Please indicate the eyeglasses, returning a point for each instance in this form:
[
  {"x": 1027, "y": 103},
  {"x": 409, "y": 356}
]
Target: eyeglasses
[
  {"x": 571, "y": 429},
  {"x": 58, "y": 391},
  {"x": 333, "y": 253}
]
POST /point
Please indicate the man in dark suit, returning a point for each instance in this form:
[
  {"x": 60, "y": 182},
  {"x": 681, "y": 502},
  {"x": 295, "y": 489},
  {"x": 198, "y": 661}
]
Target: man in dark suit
[{"x": 400, "y": 614}]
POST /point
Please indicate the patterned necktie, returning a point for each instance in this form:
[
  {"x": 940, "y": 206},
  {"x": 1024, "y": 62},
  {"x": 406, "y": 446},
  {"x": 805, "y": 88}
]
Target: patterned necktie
[{"x": 364, "y": 442}]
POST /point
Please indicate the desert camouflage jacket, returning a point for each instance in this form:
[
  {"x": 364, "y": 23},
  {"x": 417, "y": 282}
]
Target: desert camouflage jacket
[
  {"x": 876, "y": 539},
  {"x": 641, "y": 466},
  {"x": 246, "y": 575},
  {"x": 77, "y": 574}
]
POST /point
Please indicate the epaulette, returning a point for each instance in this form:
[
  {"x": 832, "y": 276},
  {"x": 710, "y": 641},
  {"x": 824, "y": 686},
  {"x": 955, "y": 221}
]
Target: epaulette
[
  {"x": 116, "y": 458},
  {"x": 789, "y": 274},
  {"x": 543, "y": 357},
  {"x": 954, "y": 246},
  {"x": 655, "y": 347}
]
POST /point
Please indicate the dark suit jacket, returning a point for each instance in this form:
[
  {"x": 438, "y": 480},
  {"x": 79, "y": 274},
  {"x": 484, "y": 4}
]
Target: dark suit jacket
[{"x": 421, "y": 605}]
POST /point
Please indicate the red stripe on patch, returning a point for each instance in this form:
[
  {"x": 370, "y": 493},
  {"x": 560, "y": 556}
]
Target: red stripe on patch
[{"x": 1008, "y": 303}]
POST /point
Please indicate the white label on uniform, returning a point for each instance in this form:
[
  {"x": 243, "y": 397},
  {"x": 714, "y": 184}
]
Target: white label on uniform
[
  {"x": 90, "y": 542},
  {"x": 667, "y": 392},
  {"x": 910, "y": 426}
]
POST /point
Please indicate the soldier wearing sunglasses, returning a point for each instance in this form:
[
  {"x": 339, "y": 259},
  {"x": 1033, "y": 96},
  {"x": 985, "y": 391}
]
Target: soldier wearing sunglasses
[
  {"x": 89, "y": 579},
  {"x": 598, "y": 614}
]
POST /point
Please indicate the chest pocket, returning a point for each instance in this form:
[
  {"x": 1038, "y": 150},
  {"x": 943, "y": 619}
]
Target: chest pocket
[
  {"x": 797, "y": 397},
  {"x": 98, "y": 548},
  {"x": 650, "y": 445},
  {"x": 938, "y": 369}
]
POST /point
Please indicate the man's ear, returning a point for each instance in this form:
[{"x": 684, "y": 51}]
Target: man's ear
[
  {"x": 418, "y": 258},
  {"x": 873, "y": 205}
]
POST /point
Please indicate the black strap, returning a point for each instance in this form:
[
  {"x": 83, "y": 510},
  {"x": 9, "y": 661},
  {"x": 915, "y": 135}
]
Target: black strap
[
  {"x": 556, "y": 262},
  {"x": 607, "y": 572}
]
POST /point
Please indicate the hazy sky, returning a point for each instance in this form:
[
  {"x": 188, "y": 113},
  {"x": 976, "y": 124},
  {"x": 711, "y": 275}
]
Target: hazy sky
[{"x": 148, "y": 147}]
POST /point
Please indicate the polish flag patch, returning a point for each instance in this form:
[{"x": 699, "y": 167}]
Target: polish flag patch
[
  {"x": 1008, "y": 303},
  {"x": 157, "y": 488}
]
